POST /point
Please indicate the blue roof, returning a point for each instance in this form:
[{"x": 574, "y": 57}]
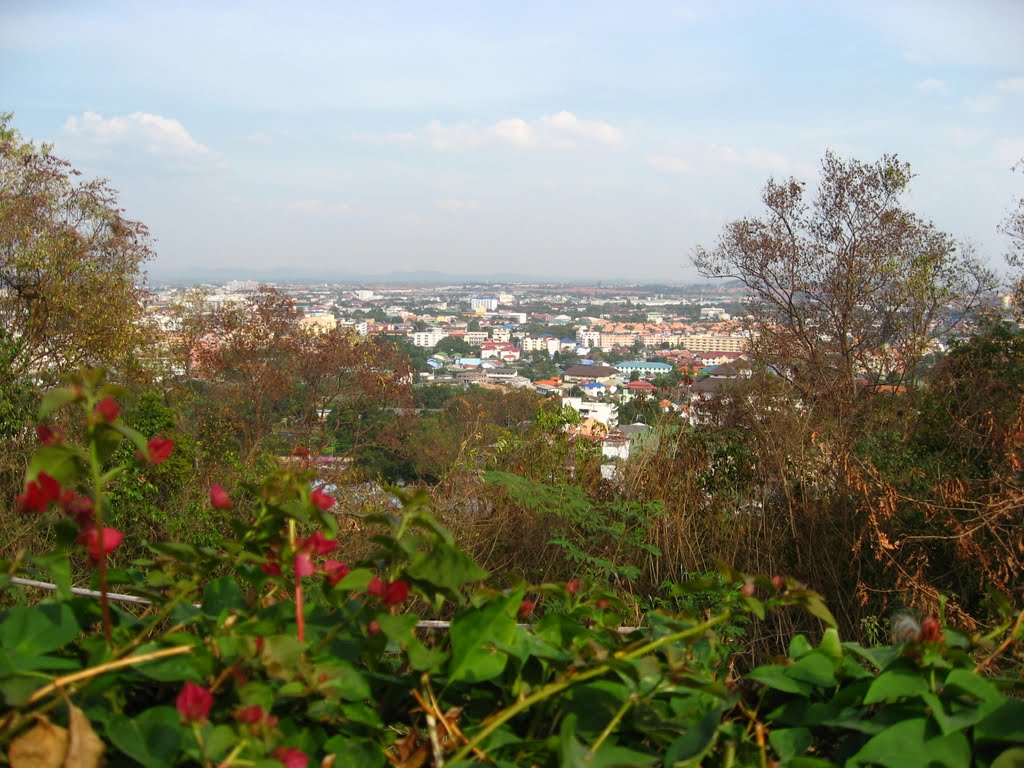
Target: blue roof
[
  {"x": 568, "y": 341},
  {"x": 593, "y": 385}
]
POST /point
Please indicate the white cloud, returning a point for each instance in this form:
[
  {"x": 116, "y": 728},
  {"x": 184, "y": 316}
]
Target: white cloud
[
  {"x": 140, "y": 132},
  {"x": 458, "y": 206},
  {"x": 562, "y": 130},
  {"x": 260, "y": 138},
  {"x": 932, "y": 85},
  {"x": 673, "y": 164},
  {"x": 719, "y": 157},
  {"x": 318, "y": 207},
  {"x": 1012, "y": 85}
]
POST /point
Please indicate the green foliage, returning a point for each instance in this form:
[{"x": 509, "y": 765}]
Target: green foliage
[{"x": 287, "y": 650}]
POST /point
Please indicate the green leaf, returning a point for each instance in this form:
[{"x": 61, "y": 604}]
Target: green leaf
[
  {"x": 473, "y": 635},
  {"x": 815, "y": 668},
  {"x": 776, "y": 677},
  {"x": 690, "y": 748},
  {"x": 56, "y": 398},
  {"x": 1004, "y": 725},
  {"x": 58, "y": 568},
  {"x": 963, "y": 681},
  {"x": 906, "y": 744},
  {"x": 895, "y": 684},
  {"x": 153, "y": 738},
  {"x": 572, "y": 754},
  {"x": 30, "y": 631},
  {"x": 221, "y": 595},
  {"x": 1011, "y": 758},
  {"x": 355, "y": 753},
  {"x": 830, "y": 644},
  {"x": 58, "y": 461},
  {"x": 340, "y": 680},
  {"x": 280, "y": 656},
  {"x": 445, "y": 567},
  {"x": 790, "y": 742},
  {"x": 355, "y": 581}
]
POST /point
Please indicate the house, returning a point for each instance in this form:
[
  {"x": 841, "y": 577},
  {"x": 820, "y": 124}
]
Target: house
[
  {"x": 605, "y": 413},
  {"x": 580, "y": 373},
  {"x": 638, "y": 389},
  {"x": 646, "y": 369}
]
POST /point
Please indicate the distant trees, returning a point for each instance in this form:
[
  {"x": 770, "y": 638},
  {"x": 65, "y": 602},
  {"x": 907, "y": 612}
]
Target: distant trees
[
  {"x": 1013, "y": 227},
  {"x": 848, "y": 284}
]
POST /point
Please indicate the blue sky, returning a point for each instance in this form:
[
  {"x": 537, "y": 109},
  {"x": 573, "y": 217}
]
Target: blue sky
[{"x": 591, "y": 139}]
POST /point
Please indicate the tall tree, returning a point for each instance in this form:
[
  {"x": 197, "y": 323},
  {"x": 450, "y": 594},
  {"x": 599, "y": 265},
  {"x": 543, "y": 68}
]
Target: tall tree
[
  {"x": 70, "y": 262},
  {"x": 1013, "y": 227},
  {"x": 848, "y": 285}
]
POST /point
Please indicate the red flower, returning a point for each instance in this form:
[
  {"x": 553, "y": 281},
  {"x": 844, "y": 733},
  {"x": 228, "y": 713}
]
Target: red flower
[
  {"x": 250, "y": 715},
  {"x": 219, "y": 498},
  {"x": 111, "y": 539},
  {"x": 335, "y": 571},
  {"x": 303, "y": 564},
  {"x": 107, "y": 409},
  {"x": 39, "y": 494},
  {"x": 321, "y": 499},
  {"x": 572, "y": 587},
  {"x": 80, "y": 508},
  {"x": 931, "y": 632},
  {"x": 526, "y": 608},
  {"x": 271, "y": 567},
  {"x": 291, "y": 757},
  {"x": 373, "y": 627},
  {"x": 159, "y": 448},
  {"x": 194, "y": 702},
  {"x": 49, "y": 435},
  {"x": 318, "y": 545},
  {"x": 376, "y": 587},
  {"x": 395, "y": 593}
]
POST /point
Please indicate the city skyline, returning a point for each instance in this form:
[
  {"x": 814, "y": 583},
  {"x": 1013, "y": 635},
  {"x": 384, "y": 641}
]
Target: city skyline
[{"x": 594, "y": 140}]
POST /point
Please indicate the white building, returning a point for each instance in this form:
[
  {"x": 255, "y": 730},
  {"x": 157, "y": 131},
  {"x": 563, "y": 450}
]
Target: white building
[
  {"x": 485, "y": 303},
  {"x": 475, "y": 338},
  {"x": 603, "y": 412},
  {"x": 428, "y": 338}
]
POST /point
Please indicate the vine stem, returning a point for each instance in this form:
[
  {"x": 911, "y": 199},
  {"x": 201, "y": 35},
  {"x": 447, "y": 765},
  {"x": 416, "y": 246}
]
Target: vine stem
[
  {"x": 549, "y": 690},
  {"x": 97, "y": 504},
  {"x": 128, "y": 661},
  {"x": 626, "y": 706},
  {"x": 1003, "y": 645},
  {"x": 300, "y": 619}
]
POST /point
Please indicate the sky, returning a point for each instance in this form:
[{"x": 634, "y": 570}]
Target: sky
[{"x": 590, "y": 140}]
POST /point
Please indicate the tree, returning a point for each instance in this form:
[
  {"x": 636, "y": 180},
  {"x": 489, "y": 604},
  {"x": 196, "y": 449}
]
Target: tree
[
  {"x": 1013, "y": 227},
  {"x": 849, "y": 285},
  {"x": 69, "y": 264},
  {"x": 454, "y": 345}
]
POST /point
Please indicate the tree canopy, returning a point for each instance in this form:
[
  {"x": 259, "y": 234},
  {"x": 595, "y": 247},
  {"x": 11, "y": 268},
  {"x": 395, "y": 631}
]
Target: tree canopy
[
  {"x": 849, "y": 284},
  {"x": 70, "y": 262}
]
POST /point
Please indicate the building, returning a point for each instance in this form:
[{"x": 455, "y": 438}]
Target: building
[
  {"x": 709, "y": 342},
  {"x": 579, "y": 373},
  {"x": 603, "y": 412},
  {"x": 475, "y": 338},
  {"x": 484, "y": 303},
  {"x": 429, "y": 338},
  {"x": 647, "y": 370}
]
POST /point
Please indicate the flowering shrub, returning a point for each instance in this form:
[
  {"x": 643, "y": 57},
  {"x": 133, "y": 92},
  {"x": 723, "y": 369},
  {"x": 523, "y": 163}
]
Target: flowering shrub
[{"x": 294, "y": 658}]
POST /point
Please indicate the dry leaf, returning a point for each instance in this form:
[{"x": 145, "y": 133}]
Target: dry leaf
[
  {"x": 85, "y": 750},
  {"x": 42, "y": 747}
]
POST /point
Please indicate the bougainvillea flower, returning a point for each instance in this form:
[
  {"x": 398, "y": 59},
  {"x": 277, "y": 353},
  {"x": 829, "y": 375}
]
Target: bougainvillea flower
[
  {"x": 194, "y": 702},
  {"x": 219, "y": 498},
  {"x": 49, "y": 435},
  {"x": 39, "y": 494},
  {"x": 107, "y": 409},
  {"x": 250, "y": 715},
  {"x": 303, "y": 564},
  {"x": 335, "y": 571},
  {"x": 271, "y": 567},
  {"x": 317, "y": 544},
  {"x": 159, "y": 449},
  {"x": 111, "y": 540},
  {"x": 376, "y": 587},
  {"x": 395, "y": 593},
  {"x": 291, "y": 757},
  {"x": 322, "y": 500}
]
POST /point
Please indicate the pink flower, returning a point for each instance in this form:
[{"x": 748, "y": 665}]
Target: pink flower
[
  {"x": 303, "y": 564},
  {"x": 572, "y": 587},
  {"x": 321, "y": 499},
  {"x": 395, "y": 593},
  {"x": 291, "y": 757},
  {"x": 39, "y": 494},
  {"x": 526, "y": 608},
  {"x": 107, "y": 409},
  {"x": 250, "y": 715},
  {"x": 159, "y": 449},
  {"x": 219, "y": 498},
  {"x": 271, "y": 567},
  {"x": 335, "y": 571},
  {"x": 376, "y": 587},
  {"x": 49, "y": 435},
  {"x": 318, "y": 545},
  {"x": 111, "y": 540},
  {"x": 194, "y": 702}
]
